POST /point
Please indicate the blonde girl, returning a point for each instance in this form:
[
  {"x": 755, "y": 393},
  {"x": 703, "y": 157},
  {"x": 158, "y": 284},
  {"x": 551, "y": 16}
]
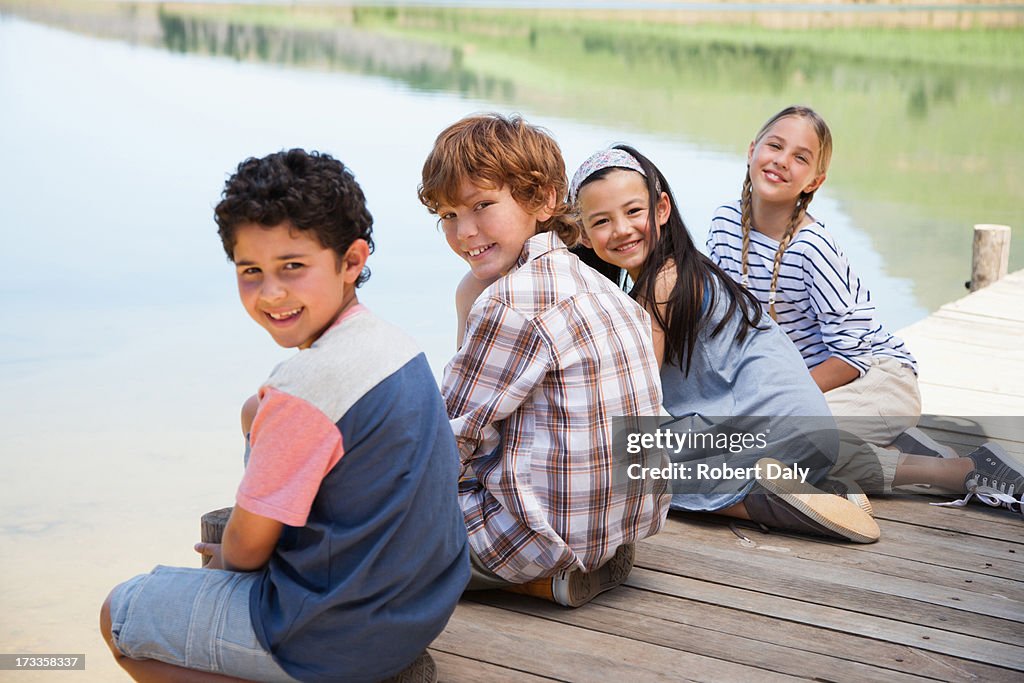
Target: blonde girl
[{"x": 769, "y": 243}]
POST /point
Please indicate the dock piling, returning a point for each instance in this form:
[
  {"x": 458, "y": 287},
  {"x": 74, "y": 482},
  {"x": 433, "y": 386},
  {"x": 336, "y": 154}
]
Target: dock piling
[{"x": 990, "y": 256}]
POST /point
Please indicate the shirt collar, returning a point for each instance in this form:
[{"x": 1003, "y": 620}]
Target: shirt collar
[{"x": 538, "y": 245}]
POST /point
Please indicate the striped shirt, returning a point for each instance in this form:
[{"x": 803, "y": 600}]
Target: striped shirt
[
  {"x": 819, "y": 301},
  {"x": 553, "y": 352}
]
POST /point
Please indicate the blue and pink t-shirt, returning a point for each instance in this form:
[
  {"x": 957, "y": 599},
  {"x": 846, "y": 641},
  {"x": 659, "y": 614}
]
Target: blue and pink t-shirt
[{"x": 351, "y": 449}]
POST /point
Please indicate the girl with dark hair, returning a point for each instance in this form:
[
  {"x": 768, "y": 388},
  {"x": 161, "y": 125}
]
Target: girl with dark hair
[{"x": 722, "y": 360}]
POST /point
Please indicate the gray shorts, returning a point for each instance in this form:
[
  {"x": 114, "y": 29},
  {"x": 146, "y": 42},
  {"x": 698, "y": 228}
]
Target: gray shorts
[{"x": 192, "y": 618}]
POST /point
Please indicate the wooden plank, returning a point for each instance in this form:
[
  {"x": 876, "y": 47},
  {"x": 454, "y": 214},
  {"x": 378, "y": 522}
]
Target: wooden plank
[
  {"x": 814, "y": 583},
  {"x": 911, "y": 541},
  {"x": 964, "y": 314},
  {"x": 968, "y": 352},
  {"x": 1007, "y": 430},
  {"x": 455, "y": 669},
  {"x": 657, "y": 575},
  {"x": 800, "y": 637},
  {"x": 941, "y": 398},
  {"x": 974, "y": 520},
  {"x": 961, "y": 325},
  {"x": 1006, "y": 558},
  {"x": 999, "y": 303},
  {"x": 889, "y": 559},
  {"x": 784, "y": 555},
  {"x": 756, "y": 653},
  {"x": 963, "y": 442},
  {"x": 546, "y": 648},
  {"x": 980, "y": 333},
  {"x": 958, "y": 363}
]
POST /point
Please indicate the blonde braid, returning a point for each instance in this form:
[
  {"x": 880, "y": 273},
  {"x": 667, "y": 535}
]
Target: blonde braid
[
  {"x": 799, "y": 209},
  {"x": 746, "y": 210}
]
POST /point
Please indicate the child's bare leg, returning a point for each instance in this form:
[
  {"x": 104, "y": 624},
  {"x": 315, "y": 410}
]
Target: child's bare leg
[
  {"x": 152, "y": 670},
  {"x": 249, "y": 413},
  {"x": 736, "y": 510},
  {"x": 947, "y": 474}
]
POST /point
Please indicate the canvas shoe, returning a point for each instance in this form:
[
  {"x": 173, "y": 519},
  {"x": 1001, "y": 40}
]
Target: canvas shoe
[
  {"x": 996, "y": 480},
  {"x": 575, "y": 588},
  {"x": 916, "y": 442},
  {"x": 422, "y": 670},
  {"x": 996, "y": 469},
  {"x": 791, "y": 505}
]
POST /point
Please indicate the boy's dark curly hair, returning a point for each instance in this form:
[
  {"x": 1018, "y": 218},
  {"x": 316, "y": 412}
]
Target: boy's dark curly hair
[{"x": 311, "y": 191}]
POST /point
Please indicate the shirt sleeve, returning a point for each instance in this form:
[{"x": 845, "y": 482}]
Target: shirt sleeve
[
  {"x": 844, "y": 312},
  {"x": 502, "y": 360},
  {"x": 709, "y": 246},
  {"x": 724, "y": 224},
  {"x": 293, "y": 446}
]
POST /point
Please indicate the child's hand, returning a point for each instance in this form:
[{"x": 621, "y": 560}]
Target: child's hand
[{"x": 211, "y": 555}]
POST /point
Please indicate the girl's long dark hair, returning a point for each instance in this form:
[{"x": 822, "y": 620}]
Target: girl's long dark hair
[{"x": 685, "y": 315}]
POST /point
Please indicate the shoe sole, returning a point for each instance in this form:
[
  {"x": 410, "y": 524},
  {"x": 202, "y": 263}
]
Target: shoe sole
[
  {"x": 839, "y": 515},
  {"x": 854, "y": 494},
  {"x": 422, "y": 670},
  {"x": 861, "y": 500},
  {"x": 582, "y": 587}
]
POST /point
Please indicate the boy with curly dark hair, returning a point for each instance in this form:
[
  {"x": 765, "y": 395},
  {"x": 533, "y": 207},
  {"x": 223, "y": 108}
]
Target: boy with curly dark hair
[{"x": 345, "y": 553}]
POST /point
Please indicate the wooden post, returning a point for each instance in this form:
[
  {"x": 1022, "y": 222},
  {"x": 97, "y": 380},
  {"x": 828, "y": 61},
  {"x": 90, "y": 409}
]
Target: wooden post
[
  {"x": 211, "y": 527},
  {"x": 990, "y": 257}
]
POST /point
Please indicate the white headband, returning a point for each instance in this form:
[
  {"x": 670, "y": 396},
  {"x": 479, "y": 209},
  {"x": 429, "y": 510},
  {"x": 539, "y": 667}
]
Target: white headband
[{"x": 606, "y": 158}]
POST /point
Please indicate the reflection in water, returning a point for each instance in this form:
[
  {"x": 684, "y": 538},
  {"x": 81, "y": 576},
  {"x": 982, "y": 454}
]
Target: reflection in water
[
  {"x": 421, "y": 65},
  {"x": 925, "y": 122}
]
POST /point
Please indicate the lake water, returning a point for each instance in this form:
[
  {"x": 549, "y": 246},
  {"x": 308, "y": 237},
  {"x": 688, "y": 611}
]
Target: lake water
[{"x": 125, "y": 354}]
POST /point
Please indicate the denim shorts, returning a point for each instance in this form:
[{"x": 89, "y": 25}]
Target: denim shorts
[{"x": 192, "y": 618}]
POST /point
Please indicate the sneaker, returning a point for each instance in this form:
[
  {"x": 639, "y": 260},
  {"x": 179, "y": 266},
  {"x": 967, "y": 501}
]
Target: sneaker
[
  {"x": 997, "y": 470},
  {"x": 915, "y": 442},
  {"x": 574, "y": 588},
  {"x": 792, "y": 505},
  {"x": 996, "y": 480},
  {"x": 577, "y": 588},
  {"x": 422, "y": 670},
  {"x": 849, "y": 491}
]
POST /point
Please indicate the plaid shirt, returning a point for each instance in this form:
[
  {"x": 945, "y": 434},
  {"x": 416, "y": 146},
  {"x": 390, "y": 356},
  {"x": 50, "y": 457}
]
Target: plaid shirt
[{"x": 553, "y": 351}]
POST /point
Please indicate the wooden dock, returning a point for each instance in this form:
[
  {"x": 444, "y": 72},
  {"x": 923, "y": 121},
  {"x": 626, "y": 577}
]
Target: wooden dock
[
  {"x": 940, "y": 596},
  {"x": 971, "y": 352}
]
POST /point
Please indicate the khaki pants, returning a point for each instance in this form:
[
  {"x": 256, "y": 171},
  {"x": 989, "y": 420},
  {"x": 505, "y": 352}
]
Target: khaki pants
[
  {"x": 481, "y": 578},
  {"x": 870, "y": 412}
]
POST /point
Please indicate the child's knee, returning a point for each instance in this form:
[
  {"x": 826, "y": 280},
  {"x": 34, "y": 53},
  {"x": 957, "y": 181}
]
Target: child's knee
[{"x": 106, "y": 625}]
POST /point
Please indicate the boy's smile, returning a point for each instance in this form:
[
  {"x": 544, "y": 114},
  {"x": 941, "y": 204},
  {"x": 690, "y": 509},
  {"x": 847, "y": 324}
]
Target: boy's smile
[
  {"x": 292, "y": 285},
  {"x": 488, "y": 228}
]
